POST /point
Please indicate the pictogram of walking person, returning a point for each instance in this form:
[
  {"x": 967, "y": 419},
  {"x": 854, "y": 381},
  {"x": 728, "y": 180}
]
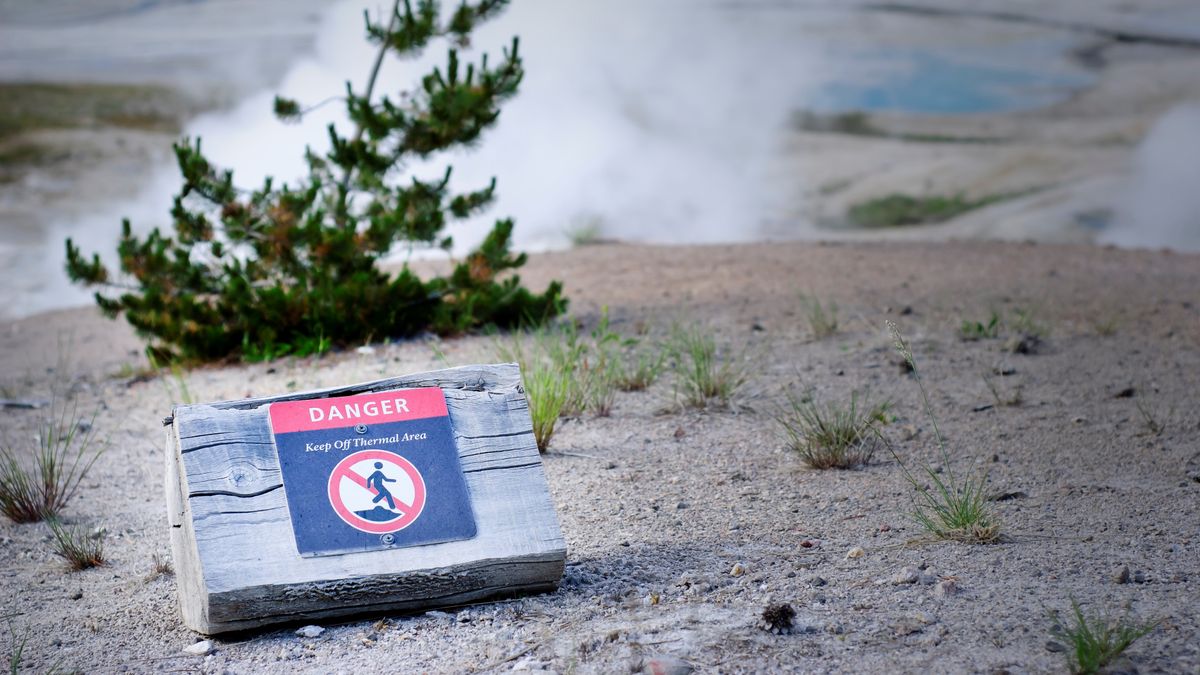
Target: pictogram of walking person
[{"x": 376, "y": 480}]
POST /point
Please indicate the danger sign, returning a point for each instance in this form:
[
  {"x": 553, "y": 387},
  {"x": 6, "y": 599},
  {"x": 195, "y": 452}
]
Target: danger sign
[
  {"x": 376, "y": 491},
  {"x": 371, "y": 471}
]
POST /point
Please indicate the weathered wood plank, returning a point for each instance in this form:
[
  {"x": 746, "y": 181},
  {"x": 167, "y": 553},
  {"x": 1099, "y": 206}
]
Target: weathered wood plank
[{"x": 233, "y": 539}]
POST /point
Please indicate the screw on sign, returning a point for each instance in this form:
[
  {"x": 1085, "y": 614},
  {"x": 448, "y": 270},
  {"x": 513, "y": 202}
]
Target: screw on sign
[{"x": 376, "y": 491}]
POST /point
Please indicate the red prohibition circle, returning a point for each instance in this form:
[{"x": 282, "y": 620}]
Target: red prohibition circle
[{"x": 408, "y": 512}]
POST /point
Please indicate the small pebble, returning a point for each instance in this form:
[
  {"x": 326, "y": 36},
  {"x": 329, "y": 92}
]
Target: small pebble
[
  {"x": 737, "y": 570},
  {"x": 817, "y": 582},
  {"x": 310, "y": 631},
  {"x": 1121, "y": 575},
  {"x": 855, "y": 552},
  {"x": 906, "y": 575},
  {"x": 666, "y": 665},
  {"x": 201, "y": 648},
  {"x": 1055, "y": 647},
  {"x": 945, "y": 588}
]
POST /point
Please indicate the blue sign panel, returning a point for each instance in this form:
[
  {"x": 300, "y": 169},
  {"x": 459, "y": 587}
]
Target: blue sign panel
[{"x": 372, "y": 471}]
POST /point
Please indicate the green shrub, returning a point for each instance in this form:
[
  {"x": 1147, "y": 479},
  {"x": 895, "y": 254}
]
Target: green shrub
[
  {"x": 292, "y": 269},
  {"x": 832, "y": 436}
]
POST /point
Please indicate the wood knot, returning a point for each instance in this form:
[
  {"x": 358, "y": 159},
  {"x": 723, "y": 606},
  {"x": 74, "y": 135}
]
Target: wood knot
[{"x": 241, "y": 475}]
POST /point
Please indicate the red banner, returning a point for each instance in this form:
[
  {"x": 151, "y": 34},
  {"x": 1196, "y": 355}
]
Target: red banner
[{"x": 350, "y": 411}]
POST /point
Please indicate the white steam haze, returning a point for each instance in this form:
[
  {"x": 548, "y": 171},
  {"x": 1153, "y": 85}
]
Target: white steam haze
[
  {"x": 1162, "y": 207},
  {"x": 653, "y": 121}
]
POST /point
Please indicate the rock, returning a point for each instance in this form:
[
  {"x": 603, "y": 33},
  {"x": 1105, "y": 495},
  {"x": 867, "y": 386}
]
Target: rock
[
  {"x": 817, "y": 582},
  {"x": 1052, "y": 646},
  {"x": 365, "y": 350},
  {"x": 906, "y": 575},
  {"x": 666, "y": 665},
  {"x": 201, "y": 648},
  {"x": 1139, "y": 577},
  {"x": 737, "y": 570},
  {"x": 310, "y": 631},
  {"x": 928, "y": 577},
  {"x": 945, "y": 588},
  {"x": 1121, "y": 575},
  {"x": 855, "y": 552}
]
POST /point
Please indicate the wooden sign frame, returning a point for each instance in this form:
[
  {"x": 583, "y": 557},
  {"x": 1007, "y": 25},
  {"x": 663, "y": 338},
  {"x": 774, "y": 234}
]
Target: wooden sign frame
[{"x": 235, "y": 555}]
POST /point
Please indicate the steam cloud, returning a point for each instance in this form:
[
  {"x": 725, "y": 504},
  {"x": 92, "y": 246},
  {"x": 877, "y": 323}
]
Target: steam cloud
[
  {"x": 1162, "y": 207},
  {"x": 648, "y": 121}
]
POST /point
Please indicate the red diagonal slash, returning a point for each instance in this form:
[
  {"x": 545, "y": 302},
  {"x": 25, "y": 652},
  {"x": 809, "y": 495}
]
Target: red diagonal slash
[{"x": 345, "y": 472}]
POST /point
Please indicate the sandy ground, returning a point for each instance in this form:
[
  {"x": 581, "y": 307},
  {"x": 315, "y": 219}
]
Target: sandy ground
[{"x": 659, "y": 506}]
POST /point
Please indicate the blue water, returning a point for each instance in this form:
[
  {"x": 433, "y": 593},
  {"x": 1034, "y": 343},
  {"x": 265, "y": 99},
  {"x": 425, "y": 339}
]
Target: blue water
[{"x": 933, "y": 83}]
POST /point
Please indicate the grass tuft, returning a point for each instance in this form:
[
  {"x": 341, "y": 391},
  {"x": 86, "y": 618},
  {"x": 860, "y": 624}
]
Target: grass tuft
[
  {"x": 832, "y": 436},
  {"x": 949, "y": 508},
  {"x": 1153, "y": 422},
  {"x": 1105, "y": 326},
  {"x": 567, "y": 373},
  {"x": 980, "y": 330},
  {"x": 822, "y": 319},
  {"x": 1012, "y": 397},
  {"x": 702, "y": 375},
  {"x": 64, "y": 455},
  {"x": 77, "y": 547},
  {"x": 641, "y": 370},
  {"x": 1022, "y": 323},
  {"x": 1095, "y": 642},
  {"x": 162, "y": 566}
]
